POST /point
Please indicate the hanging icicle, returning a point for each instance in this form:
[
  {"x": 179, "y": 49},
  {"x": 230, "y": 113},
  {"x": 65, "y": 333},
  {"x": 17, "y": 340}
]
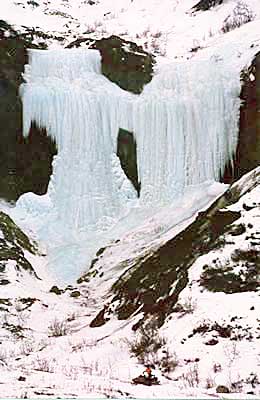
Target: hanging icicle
[{"x": 184, "y": 122}]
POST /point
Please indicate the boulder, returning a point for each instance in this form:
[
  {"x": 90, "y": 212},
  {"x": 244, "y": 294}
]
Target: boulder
[{"x": 222, "y": 389}]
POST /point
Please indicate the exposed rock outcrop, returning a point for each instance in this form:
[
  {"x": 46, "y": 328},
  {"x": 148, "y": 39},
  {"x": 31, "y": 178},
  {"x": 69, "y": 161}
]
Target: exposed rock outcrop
[
  {"x": 152, "y": 283},
  {"x": 13, "y": 246},
  {"x": 123, "y": 62},
  {"x": 204, "y": 5},
  {"x": 25, "y": 164},
  {"x": 126, "y": 151},
  {"x": 248, "y": 150}
]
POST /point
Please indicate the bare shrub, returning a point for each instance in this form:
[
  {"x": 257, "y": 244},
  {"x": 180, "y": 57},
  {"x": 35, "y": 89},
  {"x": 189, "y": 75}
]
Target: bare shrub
[
  {"x": 147, "y": 343},
  {"x": 71, "y": 372},
  {"x": 191, "y": 378},
  {"x": 168, "y": 362},
  {"x": 22, "y": 317},
  {"x": 186, "y": 307},
  {"x": 43, "y": 364},
  {"x": 3, "y": 357},
  {"x": 83, "y": 345},
  {"x": 241, "y": 15},
  {"x": 231, "y": 353},
  {"x": 58, "y": 328},
  {"x": 71, "y": 317},
  {"x": 27, "y": 347},
  {"x": 43, "y": 343},
  {"x": 147, "y": 347},
  {"x": 237, "y": 385},
  {"x": 252, "y": 380}
]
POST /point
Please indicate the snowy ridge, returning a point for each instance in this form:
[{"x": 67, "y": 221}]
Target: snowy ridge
[{"x": 140, "y": 21}]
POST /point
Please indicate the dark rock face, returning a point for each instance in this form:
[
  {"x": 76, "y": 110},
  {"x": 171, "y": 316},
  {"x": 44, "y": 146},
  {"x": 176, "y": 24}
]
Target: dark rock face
[
  {"x": 25, "y": 164},
  {"x": 248, "y": 151},
  {"x": 123, "y": 62},
  {"x": 100, "y": 319},
  {"x": 126, "y": 151},
  {"x": 13, "y": 245},
  {"x": 153, "y": 282},
  {"x": 34, "y": 161},
  {"x": 151, "y": 278},
  {"x": 205, "y": 5}
]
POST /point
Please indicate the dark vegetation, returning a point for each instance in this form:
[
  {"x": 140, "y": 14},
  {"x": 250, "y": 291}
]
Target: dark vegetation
[
  {"x": 233, "y": 331},
  {"x": 226, "y": 278},
  {"x": 151, "y": 278},
  {"x": 149, "y": 347},
  {"x": 248, "y": 151},
  {"x": 146, "y": 285},
  {"x": 33, "y": 3},
  {"x": 151, "y": 283}
]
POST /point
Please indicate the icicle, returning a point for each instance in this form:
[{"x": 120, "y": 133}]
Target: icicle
[
  {"x": 184, "y": 123},
  {"x": 82, "y": 110}
]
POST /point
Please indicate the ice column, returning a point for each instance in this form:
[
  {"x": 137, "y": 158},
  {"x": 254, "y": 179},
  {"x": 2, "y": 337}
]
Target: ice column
[
  {"x": 66, "y": 93},
  {"x": 185, "y": 123}
]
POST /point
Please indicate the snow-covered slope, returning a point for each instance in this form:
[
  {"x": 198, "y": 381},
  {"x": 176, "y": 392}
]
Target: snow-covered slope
[
  {"x": 211, "y": 337},
  {"x": 47, "y": 345},
  {"x": 201, "y": 108},
  {"x": 169, "y": 28}
]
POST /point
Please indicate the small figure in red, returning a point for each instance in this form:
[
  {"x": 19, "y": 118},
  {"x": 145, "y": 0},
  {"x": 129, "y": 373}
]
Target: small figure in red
[{"x": 148, "y": 373}]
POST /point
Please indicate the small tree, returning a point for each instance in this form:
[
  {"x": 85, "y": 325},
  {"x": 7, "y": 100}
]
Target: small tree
[
  {"x": 147, "y": 343},
  {"x": 191, "y": 378},
  {"x": 148, "y": 348},
  {"x": 58, "y": 328}
]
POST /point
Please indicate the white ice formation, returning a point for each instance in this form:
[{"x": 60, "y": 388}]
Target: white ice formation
[{"x": 184, "y": 122}]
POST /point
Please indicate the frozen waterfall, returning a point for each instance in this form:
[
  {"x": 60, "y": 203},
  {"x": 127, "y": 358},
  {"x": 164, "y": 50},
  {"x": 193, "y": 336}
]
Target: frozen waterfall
[{"x": 184, "y": 123}]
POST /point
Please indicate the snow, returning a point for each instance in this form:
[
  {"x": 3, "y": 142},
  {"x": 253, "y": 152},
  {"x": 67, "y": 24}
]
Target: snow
[
  {"x": 183, "y": 144},
  {"x": 185, "y": 133},
  {"x": 185, "y": 126}
]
